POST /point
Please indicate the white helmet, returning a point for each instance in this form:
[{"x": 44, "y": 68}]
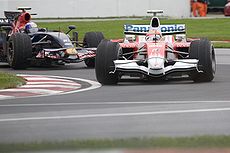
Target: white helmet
[
  {"x": 31, "y": 27},
  {"x": 153, "y": 35}
]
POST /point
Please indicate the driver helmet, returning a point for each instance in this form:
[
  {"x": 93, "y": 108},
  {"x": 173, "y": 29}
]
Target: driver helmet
[
  {"x": 31, "y": 27},
  {"x": 153, "y": 35}
]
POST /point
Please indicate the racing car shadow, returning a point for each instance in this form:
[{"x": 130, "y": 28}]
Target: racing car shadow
[
  {"x": 135, "y": 82},
  {"x": 57, "y": 67},
  {"x": 49, "y": 67}
]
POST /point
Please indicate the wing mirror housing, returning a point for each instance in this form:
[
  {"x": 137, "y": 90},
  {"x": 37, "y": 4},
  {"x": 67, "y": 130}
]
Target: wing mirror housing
[{"x": 71, "y": 27}]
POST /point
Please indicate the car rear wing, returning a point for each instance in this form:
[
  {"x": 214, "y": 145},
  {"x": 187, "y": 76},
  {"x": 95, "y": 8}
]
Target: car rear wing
[
  {"x": 4, "y": 22},
  {"x": 14, "y": 14},
  {"x": 11, "y": 15},
  {"x": 144, "y": 29}
]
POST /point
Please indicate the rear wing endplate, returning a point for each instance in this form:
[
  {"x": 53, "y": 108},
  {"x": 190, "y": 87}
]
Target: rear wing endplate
[
  {"x": 4, "y": 22},
  {"x": 144, "y": 29},
  {"x": 11, "y": 15}
]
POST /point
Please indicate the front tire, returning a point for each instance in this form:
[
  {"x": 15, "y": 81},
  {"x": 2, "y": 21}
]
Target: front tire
[
  {"x": 107, "y": 52},
  {"x": 91, "y": 40},
  {"x": 204, "y": 52},
  {"x": 19, "y": 50}
]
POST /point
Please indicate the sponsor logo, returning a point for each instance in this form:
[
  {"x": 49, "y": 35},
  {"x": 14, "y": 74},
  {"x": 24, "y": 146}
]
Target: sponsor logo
[
  {"x": 155, "y": 45},
  {"x": 128, "y": 45},
  {"x": 172, "y": 28},
  {"x": 164, "y": 28},
  {"x": 136, "y": 28},
  {"x": 155, "y": 49},
  {"x": 4, "y": 20},
  {"x": 182, "y": 44}
]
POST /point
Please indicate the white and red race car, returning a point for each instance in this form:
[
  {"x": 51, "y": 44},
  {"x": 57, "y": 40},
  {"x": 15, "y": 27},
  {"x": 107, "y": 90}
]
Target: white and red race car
[{"x": 155, "y": 51}]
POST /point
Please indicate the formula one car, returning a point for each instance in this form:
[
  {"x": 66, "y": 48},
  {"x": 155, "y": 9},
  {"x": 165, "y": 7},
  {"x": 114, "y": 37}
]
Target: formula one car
[
  {"x": 23, "y": 44},
  {"x": 154, "y": 52}
]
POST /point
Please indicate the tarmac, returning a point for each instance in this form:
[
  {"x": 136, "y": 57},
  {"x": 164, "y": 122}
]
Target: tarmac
[{"x": 167, "y": 150}]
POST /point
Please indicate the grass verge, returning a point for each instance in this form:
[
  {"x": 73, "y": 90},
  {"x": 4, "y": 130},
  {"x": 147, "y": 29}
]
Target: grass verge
[
  {"x": 213, "y": 29},
  {"x": 221, "y": 45},
  {"x": 207, "y": 142},
  {"x": 8, "y": 80}
]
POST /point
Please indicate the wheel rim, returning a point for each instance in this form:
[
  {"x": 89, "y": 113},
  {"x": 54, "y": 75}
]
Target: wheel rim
[{"x": 213, "y": 61}]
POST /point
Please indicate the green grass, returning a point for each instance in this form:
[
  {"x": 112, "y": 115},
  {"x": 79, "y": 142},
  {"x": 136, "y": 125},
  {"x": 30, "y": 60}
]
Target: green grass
[
  {"x": 10, "y": 80},
  {"x": 221, "y": 45},
  {"x": 206, "y": 142},
  {"x": 213, "y": 29}
]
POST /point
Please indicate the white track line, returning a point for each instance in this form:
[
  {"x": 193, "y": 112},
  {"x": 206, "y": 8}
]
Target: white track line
[
  {"x": 2, "y": 97},
  {"x": 110, "y": 103},
  {"x": 39, "y": 91},
  {"x": 53, "y": 82},
  {"x": 47, "y": 86},
  {"x": 114, "y": 115},
  {"x": 41, "y": 78}
]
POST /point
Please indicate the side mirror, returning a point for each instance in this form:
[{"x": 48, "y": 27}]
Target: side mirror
[{"x": 71, "y": 27}]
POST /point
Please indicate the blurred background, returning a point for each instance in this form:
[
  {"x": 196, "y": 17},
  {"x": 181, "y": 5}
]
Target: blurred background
[
  {"x": 111, "y": 8},
  {"x": 98, "y": 8}
]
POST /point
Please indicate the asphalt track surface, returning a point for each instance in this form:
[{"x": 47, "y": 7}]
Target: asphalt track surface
[{"x": 130, "y": 109}]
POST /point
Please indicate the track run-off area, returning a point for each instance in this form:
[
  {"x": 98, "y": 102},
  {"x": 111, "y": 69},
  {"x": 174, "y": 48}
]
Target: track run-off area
[{"x": 44, "y": 85}]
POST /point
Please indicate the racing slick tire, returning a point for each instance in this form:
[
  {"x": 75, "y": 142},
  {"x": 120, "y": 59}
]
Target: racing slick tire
[
  {"x": 203, "y": 51},
  {"x": 107, "y": 52},
  {"x": 92, "y": 39},
  {"x": 19, "y": 50},
  {"x": 2, "y": 45}
]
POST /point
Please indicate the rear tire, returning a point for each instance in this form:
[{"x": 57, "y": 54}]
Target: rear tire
[
  {"x": 19, "y": 50},
  {"x": 204, "y": 52},
  {"x": 107, "y": 52},
  {"x": 3, "y": 44},
  {"x": 2, "y": 41},
  {"x": 92, "y": 39}
]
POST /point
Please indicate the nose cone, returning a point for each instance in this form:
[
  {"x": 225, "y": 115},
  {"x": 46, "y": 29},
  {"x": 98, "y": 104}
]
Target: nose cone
[{"x": 156, "y": 66}]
